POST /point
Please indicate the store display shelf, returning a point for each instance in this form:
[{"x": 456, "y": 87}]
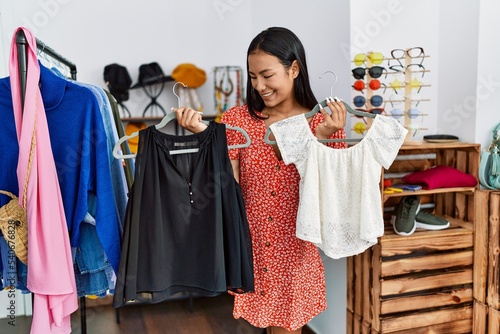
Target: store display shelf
[
  {"x": 423, "y": 282},
  {"x": 431, "y": 192}
]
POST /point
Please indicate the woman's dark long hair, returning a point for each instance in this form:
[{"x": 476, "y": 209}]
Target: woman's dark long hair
[{"x": 286, "y": 46}]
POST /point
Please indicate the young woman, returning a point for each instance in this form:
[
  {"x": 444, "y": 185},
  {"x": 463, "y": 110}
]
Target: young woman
[{"x": 288, "y": 272}]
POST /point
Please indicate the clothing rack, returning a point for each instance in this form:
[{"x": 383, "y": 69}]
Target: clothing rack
[{"x": 21, "y": 43}]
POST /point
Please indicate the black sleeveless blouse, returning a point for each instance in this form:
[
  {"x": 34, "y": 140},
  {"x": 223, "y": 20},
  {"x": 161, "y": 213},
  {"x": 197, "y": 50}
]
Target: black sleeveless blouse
[{"x": 185, "y": 228}]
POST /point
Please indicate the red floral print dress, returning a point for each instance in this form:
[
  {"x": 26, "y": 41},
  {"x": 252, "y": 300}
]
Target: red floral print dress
[{"x": 288, "y": 272}]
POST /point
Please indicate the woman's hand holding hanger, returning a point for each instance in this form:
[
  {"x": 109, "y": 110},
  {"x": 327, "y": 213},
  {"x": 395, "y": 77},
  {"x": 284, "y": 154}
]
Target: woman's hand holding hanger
[
  {"x": 333, "y": 121},
  {"x": 190, "y": 119}
]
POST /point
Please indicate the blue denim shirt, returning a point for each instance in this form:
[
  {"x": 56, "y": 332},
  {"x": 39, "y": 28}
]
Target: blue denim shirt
[
  {"x": 93, "y": 272},
  {"x": 14, "y": 273}
]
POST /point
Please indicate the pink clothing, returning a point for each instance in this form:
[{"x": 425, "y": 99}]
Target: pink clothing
[{"x": 50, "y": 267}]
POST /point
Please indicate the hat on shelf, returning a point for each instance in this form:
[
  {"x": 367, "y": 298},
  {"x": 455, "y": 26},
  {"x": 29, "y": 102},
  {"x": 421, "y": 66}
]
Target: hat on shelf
[
  {"x": 131, "y": 128},
  {"x": 150, "y": 74},
  {"x": 118, "y": 81},
  {"x": 189, "y": 75}
]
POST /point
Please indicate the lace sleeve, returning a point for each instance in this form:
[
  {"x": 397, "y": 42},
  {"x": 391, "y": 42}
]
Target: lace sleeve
[
  {"x": 386, "y": 139},
  {"x": 293, "y": 137}
]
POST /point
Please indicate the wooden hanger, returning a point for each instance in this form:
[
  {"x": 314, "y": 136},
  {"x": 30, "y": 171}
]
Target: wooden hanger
[{"x": 316, "y": 110}]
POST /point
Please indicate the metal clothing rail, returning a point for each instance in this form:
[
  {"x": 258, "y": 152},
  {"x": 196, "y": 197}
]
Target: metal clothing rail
[
  {"x": 21, "y": 44},
  {"x": 42, "y": 48}
]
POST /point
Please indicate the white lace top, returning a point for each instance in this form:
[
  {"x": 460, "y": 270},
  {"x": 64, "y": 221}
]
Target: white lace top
[{"x": 340, "y": 207}]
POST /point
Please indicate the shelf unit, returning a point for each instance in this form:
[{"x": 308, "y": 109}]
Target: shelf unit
[
  {"x": 487, "y": 263},
  {"x": 408, "y": 75},
  {"x": 422, "y": 283}
]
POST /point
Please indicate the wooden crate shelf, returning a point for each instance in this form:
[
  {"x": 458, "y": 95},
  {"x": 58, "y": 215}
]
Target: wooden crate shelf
[
  {"x": 486, "y": 319},
  {"x": 422, "y": 283},
  {"x": 487, "y": 263}
]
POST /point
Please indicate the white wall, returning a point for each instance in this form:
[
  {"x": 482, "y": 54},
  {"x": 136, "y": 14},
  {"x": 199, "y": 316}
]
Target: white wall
[
  {"x": 322, "y": 26},
  {"x": 95, "y": 33},
  {"x": 458, "y": 39},
  {"x": 488, "y": 78}
]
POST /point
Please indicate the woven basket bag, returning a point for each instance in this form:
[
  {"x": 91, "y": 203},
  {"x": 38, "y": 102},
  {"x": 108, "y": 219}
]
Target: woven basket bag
[{"x": 14, "y": 226}]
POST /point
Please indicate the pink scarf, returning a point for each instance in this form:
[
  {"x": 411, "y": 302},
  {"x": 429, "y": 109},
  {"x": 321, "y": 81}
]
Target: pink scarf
[{"x": 50, "y": 267}]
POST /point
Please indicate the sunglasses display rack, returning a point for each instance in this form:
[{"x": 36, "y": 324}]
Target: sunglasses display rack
[
  {"x": 368, "y": 73},
  {"x": 409, "y": 62}
]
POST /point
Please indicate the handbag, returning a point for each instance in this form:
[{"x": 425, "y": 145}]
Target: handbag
[
  {"x": 489, "y": 166},
  {"x": 14, "y": 226}
]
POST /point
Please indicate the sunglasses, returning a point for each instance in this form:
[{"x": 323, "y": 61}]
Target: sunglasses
[
  {"x": 374, "y": 72},
  {"x": 416, "y": 127},
  {"x": 360, "y": 127},
  {"x": 395, "y": 100},
  {"x": 414, "y": 113},
  {"x": 375, "y": 57},
  {"x": 414, "y": 99},
  {"x": 396, "y": 84},
  {"x": 376, "y": 111},
  {"x": 376, "y": 101},
  {"x": 359, "y": 101},
  {"x": 416, "y": 84},
  {"x": 398, "y": 54},
  {"x": 416, "y": 52},
  {"x": 396, "y": 113},
  {"x": 400, "y": 68},
  {"x": 374, "y": 84}
]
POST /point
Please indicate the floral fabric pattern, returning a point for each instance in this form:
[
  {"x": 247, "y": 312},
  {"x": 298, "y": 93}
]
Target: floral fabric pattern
[{"x": 289, "y": 276}]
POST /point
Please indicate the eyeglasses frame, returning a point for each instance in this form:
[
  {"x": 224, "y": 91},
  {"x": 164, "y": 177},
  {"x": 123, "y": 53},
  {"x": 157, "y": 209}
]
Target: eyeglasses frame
[{"x": 408, "y": 52}]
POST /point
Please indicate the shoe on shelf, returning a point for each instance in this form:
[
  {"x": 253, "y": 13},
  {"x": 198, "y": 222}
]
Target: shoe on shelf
[
  {"x": 403, "y": 221},
  {"x": 429, "y": 221}
]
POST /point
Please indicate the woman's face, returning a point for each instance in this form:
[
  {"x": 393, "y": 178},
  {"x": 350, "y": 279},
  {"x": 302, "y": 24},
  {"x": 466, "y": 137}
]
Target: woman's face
[{"x": 271, "y": 79}]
